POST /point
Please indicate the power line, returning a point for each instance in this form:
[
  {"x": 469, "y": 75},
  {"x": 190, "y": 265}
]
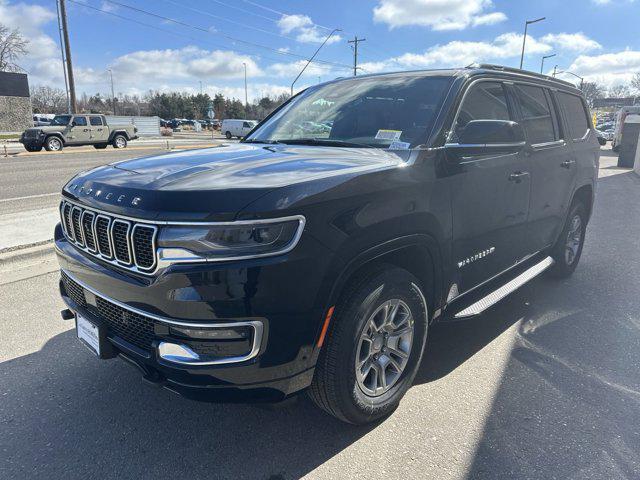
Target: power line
[
  {"x": 216, "y": 45},
  {"x": 205, "y": 30}
]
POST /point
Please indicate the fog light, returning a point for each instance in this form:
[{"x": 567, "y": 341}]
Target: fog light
[
  {"x": 227, "y": 333},
  {"x": 174, "y": 352}
]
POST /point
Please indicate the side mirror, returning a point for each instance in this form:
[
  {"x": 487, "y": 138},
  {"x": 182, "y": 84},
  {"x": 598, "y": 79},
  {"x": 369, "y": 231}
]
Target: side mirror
[
  {"x": 74, "y": 124},
  {"x": 491, "y": 132},
  {"x": 601, "y": 140}
]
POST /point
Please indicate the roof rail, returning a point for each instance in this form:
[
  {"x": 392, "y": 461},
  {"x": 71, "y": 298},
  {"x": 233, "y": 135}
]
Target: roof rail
[{"x": 502, "y": 68}]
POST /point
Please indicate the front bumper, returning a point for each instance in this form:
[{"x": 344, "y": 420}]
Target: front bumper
[{"x": 281, "y": 294}]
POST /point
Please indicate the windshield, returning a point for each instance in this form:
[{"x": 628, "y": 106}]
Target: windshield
[
  {"x": 389, "y": 111},
  {"x": 61, "y": 120}
]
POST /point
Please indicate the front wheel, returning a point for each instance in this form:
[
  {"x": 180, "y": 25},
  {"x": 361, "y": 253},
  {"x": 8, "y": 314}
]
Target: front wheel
[
  {"x": 568, "y": 248},
  {"x": 53, "y": 144},
  {"x": 373, "y": 347},
  {"x": 119, "y": 141},
  {"x": 33, "y": 149},
  {"x": 100, "y": 146}
]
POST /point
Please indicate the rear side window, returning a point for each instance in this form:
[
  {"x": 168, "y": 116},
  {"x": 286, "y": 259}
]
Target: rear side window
[
  {"x": 246, "y": 124},
  {"x": 577, "y": 120},
  {"x": 536, "y": 114},
  {"x": 485, "y": 101},
  {"x": 96, "y": 121},
  {"x": 80, "y": 121}
]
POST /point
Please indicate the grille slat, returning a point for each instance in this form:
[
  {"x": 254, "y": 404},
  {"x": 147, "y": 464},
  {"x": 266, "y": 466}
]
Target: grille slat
[
  {"x": 120, "y": 234},
  {"x": 87, "y": 230},
  {"x": 123, "y": 243}
]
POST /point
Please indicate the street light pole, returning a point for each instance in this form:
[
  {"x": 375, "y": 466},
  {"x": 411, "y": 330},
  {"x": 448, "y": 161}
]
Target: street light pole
[
  {"x": 113, "y": 95},
  {"x": 577, "y": 76},
  {"x": 524, "y": 39},
  {"x": 313, "y": 56},
  {"x": 543, "y": 59}
]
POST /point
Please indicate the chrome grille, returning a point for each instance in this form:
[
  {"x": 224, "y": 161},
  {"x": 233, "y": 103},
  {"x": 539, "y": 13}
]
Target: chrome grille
[{"x": 125, "y": 243}]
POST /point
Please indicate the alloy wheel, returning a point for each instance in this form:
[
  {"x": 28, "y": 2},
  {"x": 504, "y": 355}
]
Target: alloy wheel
[{"x": 384, "y": 347}]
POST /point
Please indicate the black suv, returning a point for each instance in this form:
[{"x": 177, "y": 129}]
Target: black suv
[{"x": 315, "y": 254}]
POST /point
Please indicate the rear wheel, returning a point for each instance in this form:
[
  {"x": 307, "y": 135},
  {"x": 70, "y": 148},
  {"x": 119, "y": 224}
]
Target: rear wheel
[
  {"x": 119, "y": 141},
  {"x": 53, "y": 144},
  {"x": 228, "y": 135},
  {"x": 373, "y": 347},
  {"x": 568, "y": 248}
]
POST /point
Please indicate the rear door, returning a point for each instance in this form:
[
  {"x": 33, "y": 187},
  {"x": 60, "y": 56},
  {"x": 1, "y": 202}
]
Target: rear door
[
  {"x": 551, "y": 160},
  {"x": 490, "y": 194},
  {"x": 99, "y": 131}
]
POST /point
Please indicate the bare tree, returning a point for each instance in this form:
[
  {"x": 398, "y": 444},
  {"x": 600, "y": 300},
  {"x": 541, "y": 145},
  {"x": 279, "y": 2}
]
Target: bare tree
[
  {"x": 591, "y": 91},
  {"x": 619, "y": 91},
  {"x": 635, "y": 82},
  {"x": 46, "y": 99},
  {"x": 12, "y": 46}
]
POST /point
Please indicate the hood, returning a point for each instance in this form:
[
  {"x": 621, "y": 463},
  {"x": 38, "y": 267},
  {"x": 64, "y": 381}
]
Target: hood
[
  {"x": 49, "y": 128},
  {"x": 216, "y": 183}
]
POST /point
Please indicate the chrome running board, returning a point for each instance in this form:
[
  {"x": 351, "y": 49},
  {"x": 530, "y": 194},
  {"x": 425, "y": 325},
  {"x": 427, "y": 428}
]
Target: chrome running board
[{"x": 506, "y": 289}]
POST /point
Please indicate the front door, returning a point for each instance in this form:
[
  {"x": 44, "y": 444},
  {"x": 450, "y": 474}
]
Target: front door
[
  {"x": 79, "y": 131},
  {"x": 489, "y": 193}
]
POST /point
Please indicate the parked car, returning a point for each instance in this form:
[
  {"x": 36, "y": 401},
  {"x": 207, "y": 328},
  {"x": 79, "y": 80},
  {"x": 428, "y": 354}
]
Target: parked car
[
  {"x": 291, "y": 262},
  {"x": 41, "y": 120},
  {"x": 77, "y": 130},
  {"x": 236, "y": 127}
]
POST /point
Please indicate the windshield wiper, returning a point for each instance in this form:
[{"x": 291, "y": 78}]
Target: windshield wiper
[
  {"x": 267, "y": 142},
  {"x": 328, "y": 142}
]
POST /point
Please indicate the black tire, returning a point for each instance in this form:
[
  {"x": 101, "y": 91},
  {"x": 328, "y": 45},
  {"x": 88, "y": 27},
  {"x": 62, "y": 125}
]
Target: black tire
[
  {"x": 119, "y": 141},
  {"x": 568, "y": 249},
  {"x": 100, "y": 146},
  {"x": 32, "y": 149},
  {"x": 53, "y": 144},
  {"x": 335, "y": 387},
  {"x": 228, "y": 135}
]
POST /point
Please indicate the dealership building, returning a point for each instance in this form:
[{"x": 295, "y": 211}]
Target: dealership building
[{"x": 15, "y": 103}]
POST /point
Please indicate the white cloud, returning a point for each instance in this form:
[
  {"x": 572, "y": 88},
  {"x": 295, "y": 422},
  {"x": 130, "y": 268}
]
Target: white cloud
[
  {"x": 291, "y": 69},
  {"x": 43, "y": 58},
  {"x": 437, "y": 14},
  {"x": 459, "y": 53},
  {"x": 304, "y": 29},
  {"x": 609, "y": 69},
  {"x": 576, "y": 42}
]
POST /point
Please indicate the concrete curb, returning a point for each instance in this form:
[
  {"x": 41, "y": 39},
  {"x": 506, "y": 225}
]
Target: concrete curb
[{"x": 23, "y": 263}]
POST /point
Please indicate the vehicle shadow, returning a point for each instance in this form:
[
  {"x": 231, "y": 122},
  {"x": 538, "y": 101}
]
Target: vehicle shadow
[{"x": 568, "y": 401}]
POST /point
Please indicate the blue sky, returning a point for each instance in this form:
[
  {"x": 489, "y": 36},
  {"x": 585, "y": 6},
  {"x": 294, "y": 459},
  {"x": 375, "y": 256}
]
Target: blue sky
[{"x": 597, "y": 39}]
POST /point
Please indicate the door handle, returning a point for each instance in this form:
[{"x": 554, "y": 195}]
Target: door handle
[
  {"x": 517, "y": 176},
  {"x": 85, "y": 130},
  {"x": 567, "y": 163}
]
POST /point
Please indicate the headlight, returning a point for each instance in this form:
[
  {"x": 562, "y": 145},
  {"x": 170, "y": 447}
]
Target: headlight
[{"x": 229, "y": 241}]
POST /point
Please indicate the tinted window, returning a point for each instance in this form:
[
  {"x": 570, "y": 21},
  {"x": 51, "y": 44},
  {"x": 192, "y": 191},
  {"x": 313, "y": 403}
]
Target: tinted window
[
  {"x": 536, "y": 114},
  {"x": 485, "y": 101},
  {"x": 577, "y": 121},
  {"x": 80, "y": 121},
  {"x": 97, "y": 121}
]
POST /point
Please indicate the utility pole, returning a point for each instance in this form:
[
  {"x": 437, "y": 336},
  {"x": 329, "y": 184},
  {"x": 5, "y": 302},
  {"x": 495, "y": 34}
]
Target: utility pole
[
  {"x": 64, "y": 64},
  {"x": 555, "y": 69},
  {"x": 113, "y": 95},
  {"x": 355, "y": 52},
  {"x": 67, "y": 51},
  {"x": 246, "y": 98}
]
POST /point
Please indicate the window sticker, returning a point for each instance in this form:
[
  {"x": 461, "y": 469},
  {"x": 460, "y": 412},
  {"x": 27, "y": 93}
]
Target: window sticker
[
  {"x": 388, "y": 135},
  {"x": 396, "y": 145}
]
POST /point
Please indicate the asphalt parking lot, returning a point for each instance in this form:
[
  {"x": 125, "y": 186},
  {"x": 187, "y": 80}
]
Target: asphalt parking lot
[{"x": 544, "y": 385}]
